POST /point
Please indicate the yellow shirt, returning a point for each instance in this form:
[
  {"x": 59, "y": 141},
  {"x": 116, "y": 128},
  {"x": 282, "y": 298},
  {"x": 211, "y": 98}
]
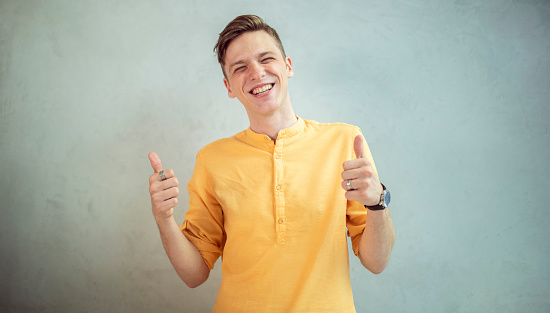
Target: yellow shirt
[{"x": 277, "y": 215}]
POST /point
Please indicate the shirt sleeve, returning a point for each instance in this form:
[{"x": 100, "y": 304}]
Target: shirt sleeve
[
  {"x": 203, "y": 224},
  {"x": 356, "y": 213}
]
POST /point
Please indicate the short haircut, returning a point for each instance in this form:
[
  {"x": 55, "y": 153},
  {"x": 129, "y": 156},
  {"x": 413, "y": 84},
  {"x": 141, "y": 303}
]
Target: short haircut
[{"x": 240, "y": 25}]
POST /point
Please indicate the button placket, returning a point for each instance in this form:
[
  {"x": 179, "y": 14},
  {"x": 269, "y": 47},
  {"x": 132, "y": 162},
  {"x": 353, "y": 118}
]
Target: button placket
[{"x": 280, "y": 214}]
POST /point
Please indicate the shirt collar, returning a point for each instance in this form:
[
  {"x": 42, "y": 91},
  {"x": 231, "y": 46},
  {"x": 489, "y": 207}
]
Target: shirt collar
[{"x": 263, "y": 141}]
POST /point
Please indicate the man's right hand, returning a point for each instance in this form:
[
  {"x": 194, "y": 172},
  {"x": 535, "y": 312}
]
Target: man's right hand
[
  {"x": 183, "y": 254},
  {"x": 163, "y": 192}
]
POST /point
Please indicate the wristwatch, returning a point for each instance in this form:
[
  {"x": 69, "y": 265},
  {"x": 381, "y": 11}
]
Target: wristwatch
[{"x": 385, "y": 198}]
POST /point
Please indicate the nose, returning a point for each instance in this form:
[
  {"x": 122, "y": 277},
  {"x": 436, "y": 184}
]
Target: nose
[{"x": 256, "y": 71}]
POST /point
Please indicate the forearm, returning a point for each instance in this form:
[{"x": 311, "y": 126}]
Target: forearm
[
  {"x": 185, "y": 257},
  {"x": 377, "y": 241}
]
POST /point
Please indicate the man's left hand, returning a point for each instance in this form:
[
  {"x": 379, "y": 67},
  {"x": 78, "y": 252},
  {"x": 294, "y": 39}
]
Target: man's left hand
[{"x": 365, "y": 186}]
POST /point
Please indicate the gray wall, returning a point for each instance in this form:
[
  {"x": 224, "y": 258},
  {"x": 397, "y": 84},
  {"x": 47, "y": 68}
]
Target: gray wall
[{"x": 452, "y": 96}]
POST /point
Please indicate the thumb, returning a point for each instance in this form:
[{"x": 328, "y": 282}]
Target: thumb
[
  {"x": 358, "y": 146},
  {"x": 156, "y": 164}
]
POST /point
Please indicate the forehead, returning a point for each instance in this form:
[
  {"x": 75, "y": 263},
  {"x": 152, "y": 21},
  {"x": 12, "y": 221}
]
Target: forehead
[{"x": 249, "y": 45}]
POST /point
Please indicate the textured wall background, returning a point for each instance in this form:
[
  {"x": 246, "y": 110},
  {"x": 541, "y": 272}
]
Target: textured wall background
[{"x": 452, "y": 96}]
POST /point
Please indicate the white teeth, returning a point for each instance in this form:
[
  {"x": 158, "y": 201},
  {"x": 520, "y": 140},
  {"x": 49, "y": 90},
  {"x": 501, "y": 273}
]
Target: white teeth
[{"x": 262, "y": 90}]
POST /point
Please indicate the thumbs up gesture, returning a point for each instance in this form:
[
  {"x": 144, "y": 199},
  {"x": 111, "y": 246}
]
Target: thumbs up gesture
[
  {"x": 359, "y": 179},
  {"x": 163, "y": 192}
]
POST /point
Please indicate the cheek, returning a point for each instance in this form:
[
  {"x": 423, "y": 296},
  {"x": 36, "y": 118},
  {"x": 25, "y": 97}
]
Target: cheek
[
  {"x": 242, "y": 87},
  {"x": 235, "y": 85}
]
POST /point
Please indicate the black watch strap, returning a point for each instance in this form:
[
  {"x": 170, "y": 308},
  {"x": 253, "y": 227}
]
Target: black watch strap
[{"x": 375, "y": 207}]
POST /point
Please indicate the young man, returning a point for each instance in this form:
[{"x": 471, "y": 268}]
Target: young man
[{"x": 275, "y": 200}]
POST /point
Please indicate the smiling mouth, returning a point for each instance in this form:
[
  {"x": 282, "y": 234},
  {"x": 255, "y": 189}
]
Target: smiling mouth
[{"x": 261, "y": 90}]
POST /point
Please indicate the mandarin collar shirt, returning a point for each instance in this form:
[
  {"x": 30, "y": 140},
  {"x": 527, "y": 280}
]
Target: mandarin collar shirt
[{"x": 277, "y": 214}]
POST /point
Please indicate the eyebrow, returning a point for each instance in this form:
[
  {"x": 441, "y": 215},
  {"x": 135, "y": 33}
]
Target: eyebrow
[{"x": 261, "y": 55}]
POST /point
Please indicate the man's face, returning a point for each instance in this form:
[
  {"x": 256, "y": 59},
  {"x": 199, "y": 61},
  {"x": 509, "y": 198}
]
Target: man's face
[{"x": 257, "y": 73}]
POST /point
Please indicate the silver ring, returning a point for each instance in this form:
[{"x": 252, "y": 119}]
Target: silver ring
[
  {"x": 162, "y": 177},
  {"x": 349, "y": 185}
]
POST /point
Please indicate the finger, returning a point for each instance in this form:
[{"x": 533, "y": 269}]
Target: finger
[
  {"x": 345, "y": 185},
  {"x": 168, "y": 194},
  {"x": 362, "y": 197},
  {"x": 350, "y": 174},
  {"x": 362, "y": 172},
  {"x": 169, "y": 173},
  {"x": 358, "y": 146},
  {"x": 159, "y": 186},
  {"x": 165, "y": 206},
  {"x": 168, "y": 204},
  {"x": 169, "y": 183},
  {"x": 156, "y": 179},
  {"x": 356, "y": 195},
  {"x": 356, "y": 163},
  {"x": 159, "y": 197},
  {"x": 155, "y": 162}
]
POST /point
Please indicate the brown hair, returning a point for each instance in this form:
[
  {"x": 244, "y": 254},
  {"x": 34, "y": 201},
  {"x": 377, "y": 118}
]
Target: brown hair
[{"x": 240, "y": 25}]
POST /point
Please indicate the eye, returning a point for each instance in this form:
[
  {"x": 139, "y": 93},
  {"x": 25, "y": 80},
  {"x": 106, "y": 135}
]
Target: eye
[
  {"x": 238, "y": 69},
  {"x": 268, "y": 59}
]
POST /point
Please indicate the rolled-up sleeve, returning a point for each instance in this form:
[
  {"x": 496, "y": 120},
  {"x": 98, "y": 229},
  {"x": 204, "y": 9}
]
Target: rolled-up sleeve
[
  {"x": 203, "y": 224},
  {"x": 355, "y": 222}
]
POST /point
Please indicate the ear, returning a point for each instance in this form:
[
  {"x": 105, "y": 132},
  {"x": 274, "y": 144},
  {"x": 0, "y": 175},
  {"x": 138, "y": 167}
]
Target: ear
[
  {"x": 229, "y": 92},
  {"x": 289, "y": 67}
]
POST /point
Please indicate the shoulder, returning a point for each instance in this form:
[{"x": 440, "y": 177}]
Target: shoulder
[
  {"x": 221, "y": 147},
  {"x": 341, "y": 128}
]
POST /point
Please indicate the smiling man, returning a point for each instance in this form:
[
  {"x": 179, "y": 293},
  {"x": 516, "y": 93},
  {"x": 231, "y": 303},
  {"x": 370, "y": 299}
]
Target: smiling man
[
  {"x": 276, "y": 200},
  {"x": 256, "y": 72}
]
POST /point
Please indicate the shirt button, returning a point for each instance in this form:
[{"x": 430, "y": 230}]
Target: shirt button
[
  {"x": 278, "y": 187},
  {"x": 277, "y": 156},
  {"x": 280, "y": 221}
]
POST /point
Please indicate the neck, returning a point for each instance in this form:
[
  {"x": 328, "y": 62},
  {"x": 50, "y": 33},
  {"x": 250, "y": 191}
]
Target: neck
[{"x": 273, "y": 123}]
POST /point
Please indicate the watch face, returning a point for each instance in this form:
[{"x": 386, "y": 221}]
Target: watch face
[{"x": 387, "y": 198}]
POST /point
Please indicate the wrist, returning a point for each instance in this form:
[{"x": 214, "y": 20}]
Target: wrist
[
  {"x": 164, "y": 220},
  {"x": 383, "y": 202}
]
